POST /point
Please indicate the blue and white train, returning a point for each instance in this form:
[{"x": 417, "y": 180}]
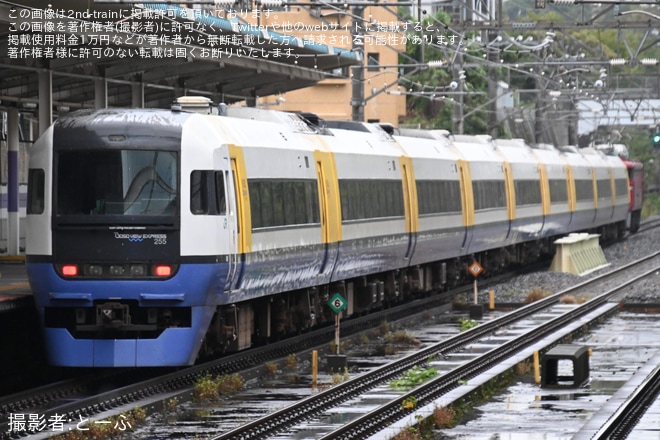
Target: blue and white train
[{"x": 157, "y": 236}]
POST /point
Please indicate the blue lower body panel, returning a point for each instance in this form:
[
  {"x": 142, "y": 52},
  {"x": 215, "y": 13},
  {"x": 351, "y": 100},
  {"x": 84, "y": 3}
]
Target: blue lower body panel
[
  {"x": 173, "y": 347},
  {"x": 194, "y": 291}
]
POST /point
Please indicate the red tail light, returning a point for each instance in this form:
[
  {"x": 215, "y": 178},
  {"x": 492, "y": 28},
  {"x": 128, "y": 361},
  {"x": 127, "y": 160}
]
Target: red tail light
[
  {"x": 163, "y": 270},
  {"x": 69, "y": 270}
]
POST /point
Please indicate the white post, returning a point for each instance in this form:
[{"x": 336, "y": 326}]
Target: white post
[{"x": 337, "y": 333}]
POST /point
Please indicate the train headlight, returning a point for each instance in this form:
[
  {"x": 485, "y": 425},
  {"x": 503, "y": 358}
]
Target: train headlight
[
  {"x": 138, "y": 270},
  {"x": 117, "y": 270},
  {"x": 94, "y": 270}
]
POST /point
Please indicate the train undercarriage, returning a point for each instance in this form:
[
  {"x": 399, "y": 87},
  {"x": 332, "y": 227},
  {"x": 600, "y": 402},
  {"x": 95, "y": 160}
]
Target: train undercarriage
[{"x": 242, "y": 325}]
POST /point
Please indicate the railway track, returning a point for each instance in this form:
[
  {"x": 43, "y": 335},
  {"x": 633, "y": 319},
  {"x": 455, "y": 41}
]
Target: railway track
[
  {"x": 630, "y": 412},
  {"x": 387, "y": 414},
  {"x": 649, "y": 224},
  {"x": 79, "y": 397}
]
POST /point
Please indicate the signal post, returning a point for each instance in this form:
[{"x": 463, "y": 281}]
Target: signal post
[{"x": 476, "y": 309}]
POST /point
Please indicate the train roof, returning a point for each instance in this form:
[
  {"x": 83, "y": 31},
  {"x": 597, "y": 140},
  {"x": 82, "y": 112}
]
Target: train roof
[{"x": 112, "y": 127}]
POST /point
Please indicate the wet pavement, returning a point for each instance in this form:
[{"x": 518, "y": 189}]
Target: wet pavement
[
  {"x": 525, "y": 411},
  {"x": 522, "y": 411}
]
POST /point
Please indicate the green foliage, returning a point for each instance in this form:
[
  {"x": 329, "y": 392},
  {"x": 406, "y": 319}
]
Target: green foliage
[
  {"x": 428, "y": 108},
  {"x": 270, "y": 369},
  {"x": 409, "y": 403},
  {"x": 467, "y": 324},
  {"x": 413, "y": 377},
  {"x": 651, "y": 205},
  {"x": 208, "y": 388},
  {"x": 640, "y": 147},
  {"x": 292, "y": 361},
  {"x": 338, "y": 378},
  {"x": 402, "y": 337}
]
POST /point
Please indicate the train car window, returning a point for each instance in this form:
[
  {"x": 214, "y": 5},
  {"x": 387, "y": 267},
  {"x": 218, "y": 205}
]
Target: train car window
[
  {"x": 207, "y": 193},
  {"x": 267, "y": 217},
  {"x": 362, "y": 203},
  {"x": 558, "y": 190},
  {"x": 278, "y": 202},
  {"x": 381, "y": 201},
  {"x": 604, "y": 189},
  {"x": 347, "y": 200},
  {"x": 199, "y": 199},
  {"x": 220, "y": 199},
  {"x": 489, "y": 194},
  {"x": 277, "y": 194},
  {"x": 255, "y": 204},
  {"x": 289, "y": 204},
  {"x": 363, "y": 199},
  {"x": 438, "y": 196},
  {"x": 36, "y": 191},
  {"x": 116, "y": 182},
  {"x": 450, "y": 194},
  {"x": 621, "y": 186},
  {"x": 312, "y": 213},
  {"x": 584, "y": 189},
  {"x": 528, "y": 192},
  {"x": 297, "y": 209}
]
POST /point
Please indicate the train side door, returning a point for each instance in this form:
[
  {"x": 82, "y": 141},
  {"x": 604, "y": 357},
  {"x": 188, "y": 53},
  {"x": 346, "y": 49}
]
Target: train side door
[
  {"x": 410, "y": 203},
  {"x": 330, "y": 211},
  {"x": 467, "y": 199},
  {"x": 229, "y": 228}
]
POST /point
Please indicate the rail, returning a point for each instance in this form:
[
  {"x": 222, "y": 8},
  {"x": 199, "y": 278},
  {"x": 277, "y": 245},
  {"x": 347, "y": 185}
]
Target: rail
[{"x": 313, "y": 405}]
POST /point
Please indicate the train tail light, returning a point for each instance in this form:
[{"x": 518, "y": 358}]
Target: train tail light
[
  {"x": 70, "y": 270},
  {"x": 163, "y": 270}
]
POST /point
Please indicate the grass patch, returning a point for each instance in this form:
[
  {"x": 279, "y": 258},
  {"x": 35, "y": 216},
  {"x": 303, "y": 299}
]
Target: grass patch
[
  {"x": 467, "y": 324},
  {"x": 292, "y": 361},
  {"x": 402, "y": 337},
  {"x": 567, "y": 299},
  {"x": 444, "y": 417},
  {"x": 270, "y": 369},
  {"x": 409, "y": 434},
  {"x": 536, "y": 294},
  {"x": 338, "y": 378},
  {"x": 413, "y": 377},
  {"x": 209, "y": 389}
]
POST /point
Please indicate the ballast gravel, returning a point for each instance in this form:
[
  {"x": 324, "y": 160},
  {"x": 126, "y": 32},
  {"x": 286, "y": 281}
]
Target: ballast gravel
[{"x": 631, "y": 248}]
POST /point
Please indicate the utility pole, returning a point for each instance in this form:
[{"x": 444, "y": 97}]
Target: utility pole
[
  {"x": 539, "y": 112},
  {"x": 459, "y": 74},
  {"x": 419, "y": 20},
  {"x": 357, "y": 77},
  {"x": 491, "y": 108}
]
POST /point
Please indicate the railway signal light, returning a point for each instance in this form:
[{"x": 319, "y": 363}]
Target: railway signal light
[{"x": 656, "y": 139}]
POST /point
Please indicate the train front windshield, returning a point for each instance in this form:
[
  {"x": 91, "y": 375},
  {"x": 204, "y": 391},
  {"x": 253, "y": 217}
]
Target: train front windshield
[{"x": 125, "y": 183}]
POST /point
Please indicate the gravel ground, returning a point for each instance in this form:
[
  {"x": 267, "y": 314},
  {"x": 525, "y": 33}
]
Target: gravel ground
[{"x": 633, "y": 247}]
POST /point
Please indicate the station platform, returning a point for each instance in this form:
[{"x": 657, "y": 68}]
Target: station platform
[
  {"x": 647, "y": 428},
  {"x": 21, "y": 341},
  {"x": 15, "y": 291}
]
